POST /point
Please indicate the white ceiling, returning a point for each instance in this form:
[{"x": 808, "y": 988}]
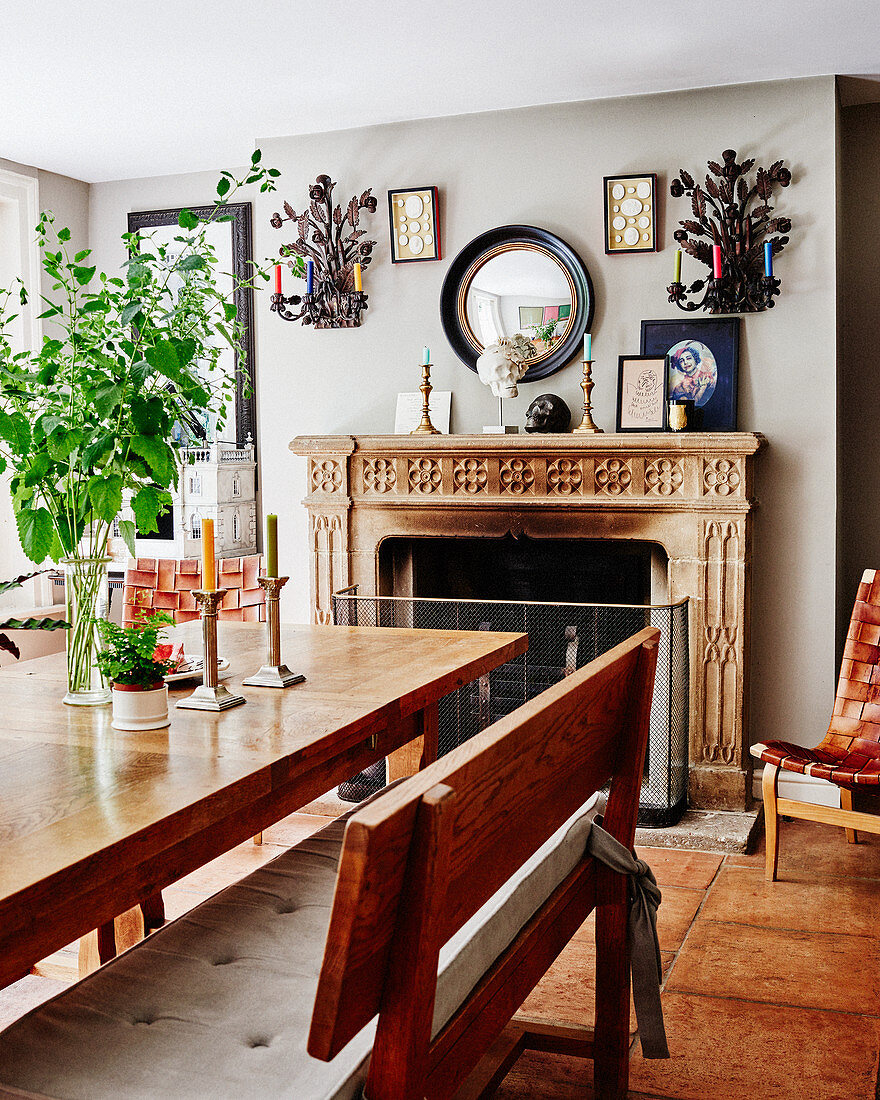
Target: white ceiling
[{"x": 112, "y": 89}]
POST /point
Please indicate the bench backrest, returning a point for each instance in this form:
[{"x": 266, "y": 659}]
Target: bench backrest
[{"x": 512, "y": 786}]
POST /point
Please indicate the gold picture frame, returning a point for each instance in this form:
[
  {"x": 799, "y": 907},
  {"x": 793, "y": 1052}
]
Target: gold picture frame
[
  {"x": 414, "y": 221},
  {"x": 630, "y": 214}
]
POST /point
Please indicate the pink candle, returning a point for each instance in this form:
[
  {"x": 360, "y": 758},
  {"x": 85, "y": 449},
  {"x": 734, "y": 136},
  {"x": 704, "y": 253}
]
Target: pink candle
[{"x": 716, "y": 261}]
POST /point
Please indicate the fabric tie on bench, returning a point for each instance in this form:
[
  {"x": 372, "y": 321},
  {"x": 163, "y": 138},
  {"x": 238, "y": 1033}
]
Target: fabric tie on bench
[{"x": 647, "y": 968}]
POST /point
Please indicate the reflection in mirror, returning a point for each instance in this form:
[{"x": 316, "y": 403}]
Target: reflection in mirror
[{"x": 518, "y": 290}]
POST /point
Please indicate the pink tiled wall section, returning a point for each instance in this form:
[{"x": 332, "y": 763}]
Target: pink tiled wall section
[{"x": 163, "y": 584}]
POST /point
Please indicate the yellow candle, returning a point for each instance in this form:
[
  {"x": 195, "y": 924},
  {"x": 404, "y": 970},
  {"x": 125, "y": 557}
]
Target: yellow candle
[
  {"x": 271, "y": 546},
  {"x": 677, "y": 278},
  {"x": 358, "y": 280},
  {"x": 209, "y": 566}
]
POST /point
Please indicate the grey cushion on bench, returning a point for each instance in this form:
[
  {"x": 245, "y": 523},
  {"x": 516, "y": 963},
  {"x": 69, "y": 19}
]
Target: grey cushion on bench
[{"x": 218, "y": 1003}]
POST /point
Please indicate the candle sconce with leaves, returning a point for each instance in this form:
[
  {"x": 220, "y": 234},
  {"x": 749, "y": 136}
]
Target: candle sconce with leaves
[
  {"x": 330, "y": 254},
  {"x": 734, "y": 234}
]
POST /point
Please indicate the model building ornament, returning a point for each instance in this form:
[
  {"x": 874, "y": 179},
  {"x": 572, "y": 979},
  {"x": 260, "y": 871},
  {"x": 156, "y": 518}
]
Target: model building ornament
[{"x": 504, "y": 363}]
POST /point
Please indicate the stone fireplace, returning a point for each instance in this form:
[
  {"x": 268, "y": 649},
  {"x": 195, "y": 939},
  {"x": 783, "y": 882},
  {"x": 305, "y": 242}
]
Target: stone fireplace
[{"x": 687, "y": 497}]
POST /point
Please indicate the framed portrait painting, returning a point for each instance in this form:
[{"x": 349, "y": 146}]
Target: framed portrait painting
[
  {"x": 231, "y": 240},
  {"x": 702, "y": 363},
  {"x": 641, "y": 393}
]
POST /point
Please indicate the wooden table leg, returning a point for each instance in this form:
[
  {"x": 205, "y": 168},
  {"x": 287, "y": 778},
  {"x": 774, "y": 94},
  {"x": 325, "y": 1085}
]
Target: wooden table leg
[
  {"x": 104, "y": 943},
  {"x": 421, "y": 751}
]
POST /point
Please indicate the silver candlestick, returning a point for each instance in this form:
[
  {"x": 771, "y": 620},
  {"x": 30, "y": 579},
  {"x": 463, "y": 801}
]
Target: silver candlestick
[
  {"x": 210, "y": 694},
  {"x": 274, "y": 673}
]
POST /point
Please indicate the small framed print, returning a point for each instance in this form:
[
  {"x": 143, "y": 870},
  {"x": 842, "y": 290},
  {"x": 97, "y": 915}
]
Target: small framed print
[
  {"x": 414, "y": 219},
  {"x": 630, "y": 214},
  {"x": 641, "y": 393}
]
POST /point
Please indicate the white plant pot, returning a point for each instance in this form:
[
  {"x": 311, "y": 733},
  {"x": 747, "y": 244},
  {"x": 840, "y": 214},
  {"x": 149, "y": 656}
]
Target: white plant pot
[{"x": 140, "y": 708}]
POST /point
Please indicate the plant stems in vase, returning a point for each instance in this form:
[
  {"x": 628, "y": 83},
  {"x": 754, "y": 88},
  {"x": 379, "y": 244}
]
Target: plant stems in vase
[{"x": 86, "y": 599}]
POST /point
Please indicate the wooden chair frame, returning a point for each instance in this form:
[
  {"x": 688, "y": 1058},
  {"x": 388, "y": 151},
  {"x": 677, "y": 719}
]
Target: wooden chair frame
[{"x": 420, "y": 861}]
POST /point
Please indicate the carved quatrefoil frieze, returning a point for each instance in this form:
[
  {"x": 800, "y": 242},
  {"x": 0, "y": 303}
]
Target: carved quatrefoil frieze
[
  {"x": 721, "y": 476},
  {"x": 380, "y": 475},
  {"x": 424, "y": 475},
  {"x": 663, "y": 476},
  {"x": 470, "y": 475},
  {"x": 564, "y": 476},
  {"x": 613, "y": 476},
  {"x": 517, "y": 476},
  {"x": 326, "y": 476}
]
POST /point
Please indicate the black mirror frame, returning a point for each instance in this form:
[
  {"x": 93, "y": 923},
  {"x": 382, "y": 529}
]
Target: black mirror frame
[{"x": 528, "y": 235}]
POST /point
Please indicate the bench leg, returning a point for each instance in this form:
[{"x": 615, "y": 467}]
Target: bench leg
[
  {"x": 421, "y": 751},
  {"x": 612, "y": 1041},
  {"x": 846, "y": 803},
  {"x": 112, "y": 937},
  {"x": 769, "y": 787}
]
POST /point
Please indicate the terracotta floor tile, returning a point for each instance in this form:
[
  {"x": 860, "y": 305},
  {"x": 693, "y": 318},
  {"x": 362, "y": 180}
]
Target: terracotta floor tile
[
  {"x": 677, "y": 910},
  {"x": 678, "y": 867},
  {"x": 294, "y": 828},
  {"x": 23, "y": 995},
  {"x": 810, "y": 969},
  {"x": 228, "y": 868},
  {"x": 741, "y": 895},
  {"x": 179, "y": 901},
  {"x": 725, "y": 1049},
  {"x": 809, "y": 846},
  {"x": 537, "y": 1076}
]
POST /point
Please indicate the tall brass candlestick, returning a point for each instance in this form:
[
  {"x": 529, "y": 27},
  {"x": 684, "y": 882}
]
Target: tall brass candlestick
[
  {"x": 274, "y": 673},
  {"x": 425, "y": 426},
  {"x": 210, "y": 694},
  {"x": 586, "y": 426}
]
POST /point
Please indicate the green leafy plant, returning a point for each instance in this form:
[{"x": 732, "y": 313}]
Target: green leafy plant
[
  {"x": 88, "y": 418},
  {"x": 129, "y": 654},
  {"x": 6, "y": 643},
  {"x": 545, "y": 331}
]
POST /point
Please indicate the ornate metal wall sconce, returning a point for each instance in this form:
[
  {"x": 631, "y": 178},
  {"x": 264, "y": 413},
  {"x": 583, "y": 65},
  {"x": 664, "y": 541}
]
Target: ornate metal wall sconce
[
  {"x": 733, "y": 237},
  {"x": 331, "y": 254}
]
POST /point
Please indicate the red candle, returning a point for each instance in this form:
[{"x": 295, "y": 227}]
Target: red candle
[
  {"x": 278, "y": 278},
  {"x": 716, "y": 260}
]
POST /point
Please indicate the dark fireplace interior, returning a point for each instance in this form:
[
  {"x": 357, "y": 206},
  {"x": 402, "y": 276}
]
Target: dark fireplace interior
[{"x": 509, "y": 568}]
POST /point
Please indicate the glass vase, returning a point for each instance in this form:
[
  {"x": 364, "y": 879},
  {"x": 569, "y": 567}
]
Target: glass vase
[{"x": 86, "y": 593}]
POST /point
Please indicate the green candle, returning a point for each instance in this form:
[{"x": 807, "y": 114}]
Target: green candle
[{"x": 271, "y": 546}]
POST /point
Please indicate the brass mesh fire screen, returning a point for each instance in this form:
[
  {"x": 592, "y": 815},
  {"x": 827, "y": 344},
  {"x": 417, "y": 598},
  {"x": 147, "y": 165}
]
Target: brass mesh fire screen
[{"x": 562, "y": 638}]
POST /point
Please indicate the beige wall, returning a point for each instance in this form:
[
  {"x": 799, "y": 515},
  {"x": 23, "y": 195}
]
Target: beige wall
[{"x": 544, "y": 166}]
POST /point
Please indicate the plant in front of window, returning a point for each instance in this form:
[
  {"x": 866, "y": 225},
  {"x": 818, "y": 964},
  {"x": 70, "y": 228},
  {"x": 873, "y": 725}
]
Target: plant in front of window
[
  {"x": 135, "y": 663},
  {"x": 545, "y": 332},
  {"x": 89, "y": 416}
]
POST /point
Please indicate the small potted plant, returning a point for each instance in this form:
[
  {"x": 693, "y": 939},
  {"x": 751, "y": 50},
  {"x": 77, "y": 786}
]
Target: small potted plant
[{"x": 135, "y": 663}]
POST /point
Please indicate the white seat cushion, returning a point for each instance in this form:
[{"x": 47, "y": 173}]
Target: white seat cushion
[{"x": 218, "y": 1003}]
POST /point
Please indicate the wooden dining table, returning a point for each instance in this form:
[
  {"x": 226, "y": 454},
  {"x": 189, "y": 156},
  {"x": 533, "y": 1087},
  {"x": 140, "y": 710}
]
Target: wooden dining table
[{"x": 93, "y": 820}]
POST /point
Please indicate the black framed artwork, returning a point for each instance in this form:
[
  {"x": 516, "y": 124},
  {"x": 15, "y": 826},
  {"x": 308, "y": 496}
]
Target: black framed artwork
[
  {"x": 702, "y": 364},
  {"x": 231, "y": 239},
  {"x": 641, "y": 393}
]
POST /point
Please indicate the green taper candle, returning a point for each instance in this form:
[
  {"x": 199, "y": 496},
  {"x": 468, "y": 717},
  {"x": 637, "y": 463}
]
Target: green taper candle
[{"x": 271, "y": 546}]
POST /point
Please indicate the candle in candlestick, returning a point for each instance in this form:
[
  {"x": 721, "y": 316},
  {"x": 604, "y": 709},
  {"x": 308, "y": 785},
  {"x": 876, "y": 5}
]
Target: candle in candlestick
[
  {"x": 271, "y": 546},
  {"x": 426, "y": 357},
  {"x": 278, "y": 278},
  {"x": 209, "y": 566},
  {"x": 588, "y": 347},
  {"x": 716, "y": 261},
  {"x": 310, "y": 276},
  {"x": 768, "y": 259},
  {"x": 358, "y": 278},
  {"x": 677, "y": 278}
]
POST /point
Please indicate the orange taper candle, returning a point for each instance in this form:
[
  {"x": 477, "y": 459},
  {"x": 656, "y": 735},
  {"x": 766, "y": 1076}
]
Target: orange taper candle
[{"x": 209, "y": 566}]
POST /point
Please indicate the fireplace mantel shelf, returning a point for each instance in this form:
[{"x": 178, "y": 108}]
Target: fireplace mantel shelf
[{"x": 691, "y": 493}]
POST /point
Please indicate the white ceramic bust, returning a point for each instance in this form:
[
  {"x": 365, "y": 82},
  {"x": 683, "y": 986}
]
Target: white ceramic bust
[{"x": 504, "y": 363}]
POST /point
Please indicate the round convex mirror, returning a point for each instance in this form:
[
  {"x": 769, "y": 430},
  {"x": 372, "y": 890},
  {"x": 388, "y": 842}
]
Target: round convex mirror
[{"x": 518, "y": 279}]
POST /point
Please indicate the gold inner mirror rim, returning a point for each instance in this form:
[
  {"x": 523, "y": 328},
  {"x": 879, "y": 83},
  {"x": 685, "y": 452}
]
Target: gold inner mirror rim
[{"x": 480, "y": 262}]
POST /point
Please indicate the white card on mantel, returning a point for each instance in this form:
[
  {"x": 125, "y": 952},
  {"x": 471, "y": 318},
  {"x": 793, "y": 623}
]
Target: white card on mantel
[{"x": 409, "y": 411}]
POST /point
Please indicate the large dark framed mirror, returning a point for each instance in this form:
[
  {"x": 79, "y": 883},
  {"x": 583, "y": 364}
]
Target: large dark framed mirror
[{"x": 518, "y": 278}]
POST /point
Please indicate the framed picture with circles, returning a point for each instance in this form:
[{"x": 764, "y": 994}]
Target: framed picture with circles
[
  {"x": 630, "y": 214},
  {"x": 414, "y": 219}
]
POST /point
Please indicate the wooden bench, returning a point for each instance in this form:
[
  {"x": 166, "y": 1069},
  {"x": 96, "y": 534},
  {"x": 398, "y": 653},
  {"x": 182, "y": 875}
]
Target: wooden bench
[{"x": 478, "y": 866}]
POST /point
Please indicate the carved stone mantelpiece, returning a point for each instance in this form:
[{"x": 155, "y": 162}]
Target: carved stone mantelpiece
[{"x": 691, "y": 493}]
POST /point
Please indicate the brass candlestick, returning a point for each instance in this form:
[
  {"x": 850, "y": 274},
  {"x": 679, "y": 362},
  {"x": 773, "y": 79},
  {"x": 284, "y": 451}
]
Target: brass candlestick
[
  {"x": 210, "y": 694},
  {"x": 586, "y": 426},
  {"x": 273, "y": 674},
  {"x": 425, "y": 426}
]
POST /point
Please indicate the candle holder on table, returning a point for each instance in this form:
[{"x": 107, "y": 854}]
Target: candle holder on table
[
  {"x": 210, "y": 694},
  {"x": 274, "y": 672},
  {"x": 425, "y": 426},
  {"x": 586, "y": 426}
]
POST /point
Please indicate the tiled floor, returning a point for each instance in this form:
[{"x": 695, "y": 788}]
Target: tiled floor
[{"x": 765, "y": 997}]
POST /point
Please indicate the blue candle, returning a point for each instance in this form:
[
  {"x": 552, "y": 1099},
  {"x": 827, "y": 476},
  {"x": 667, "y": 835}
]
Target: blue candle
[
  {"x": 310, "y": 276},
  {"x": 588, "y": 346},
  {"x": 768, "y": 258},
  {"x": 426, "y": 357}
]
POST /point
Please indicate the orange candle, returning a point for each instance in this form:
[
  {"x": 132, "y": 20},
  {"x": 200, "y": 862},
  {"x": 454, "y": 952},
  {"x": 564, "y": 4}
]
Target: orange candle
[
  {"x": 209, "y": 566},
  {"x": 358, "y": 280},
  {"x": 278, "y": 278}
]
